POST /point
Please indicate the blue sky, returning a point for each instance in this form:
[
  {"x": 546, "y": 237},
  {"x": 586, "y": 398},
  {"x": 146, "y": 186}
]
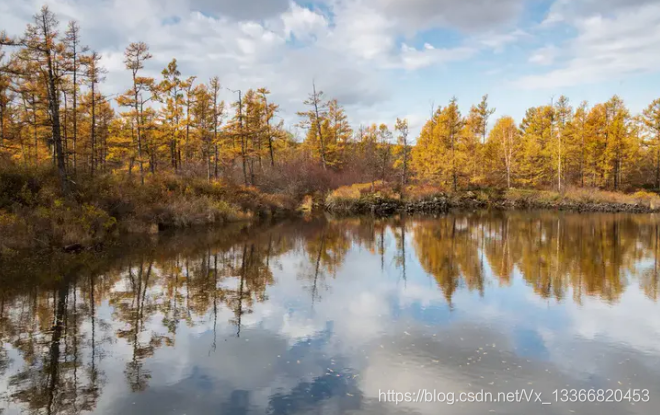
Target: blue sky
[{"x": 384, "y": 59}]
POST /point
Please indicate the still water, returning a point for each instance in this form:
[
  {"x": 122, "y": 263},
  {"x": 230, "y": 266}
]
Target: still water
[{"x": 326, "y": 316}]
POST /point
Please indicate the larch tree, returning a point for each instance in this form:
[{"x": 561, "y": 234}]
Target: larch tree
[
  {"x": 188, "y": 88},
  {"x": 618, "y": 119},
  {"x": 577, "y": 148},
  {"x": 336, "y": 133},
  {"x": 596, "y": 133},
  {"x": 218, "y": 111},
  {"x": 171, "y": 88},
  {"x": 482, "y": 113},
  {"x": 440, "y": 151},
  {"x": 504, "y": 144},
  {"x": 651, "y": 120},
  {"x": 42, "y": 47},
  {"x": 537, "y": 147},
  {"x": 135, "y": 56},
  {"x": 563, "y": 113},
  {"x": 95, "y": 74},
  {"x": 5, "y": 99},
  {"x": 384, "y": 142},
  {"x": 453, "y": 124},
  {"x": 401, "y": 128},
  {"x": 268, "y": 113},
  {"x": 203, "y": 116},
  {"x": 73, "y": 50},
  {"x": 237, "y": 131},
  {"x": 313, "y": 121}
]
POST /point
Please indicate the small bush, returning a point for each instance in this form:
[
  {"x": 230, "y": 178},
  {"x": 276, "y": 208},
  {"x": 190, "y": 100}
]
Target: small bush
[{"x": 417, "y": 192}]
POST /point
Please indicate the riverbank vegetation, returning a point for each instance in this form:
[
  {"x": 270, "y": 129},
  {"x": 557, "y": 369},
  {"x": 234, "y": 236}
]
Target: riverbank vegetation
[
  {"x": 78, "y": 162},
  {"x": 384, "y": 199}
]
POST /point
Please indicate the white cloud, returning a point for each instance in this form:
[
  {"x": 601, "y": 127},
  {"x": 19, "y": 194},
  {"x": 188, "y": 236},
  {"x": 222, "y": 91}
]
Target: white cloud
[
  {"x": 498, "y": 41},
  {"x": 353, "y": 48},
  {"x": 303, "y": 23},
  {"x": 570, "y": 10},
  {"x": 471, "y": 16},
  {"x": 241, "y": 9},
  {"x": 362, "y": 31},
  {"x": 412, "y": 58},
  {"x": 607, "y": 48},
  {"x": 545, "y": 55}
]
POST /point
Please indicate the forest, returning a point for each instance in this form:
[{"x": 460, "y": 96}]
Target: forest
[{"x": 171, "y": 143}]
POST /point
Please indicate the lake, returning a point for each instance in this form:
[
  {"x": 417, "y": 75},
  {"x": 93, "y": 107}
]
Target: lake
[{"x": 324, "y": 315}]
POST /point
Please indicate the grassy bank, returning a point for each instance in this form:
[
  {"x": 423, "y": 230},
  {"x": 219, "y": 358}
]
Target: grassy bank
[
  {"x": 34, "y": 214},
  {"x": 385, "y": 199}
]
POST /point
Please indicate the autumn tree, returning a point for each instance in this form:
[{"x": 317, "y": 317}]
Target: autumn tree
[
  {"x": 218, "y": 110},
  {"x": 41, "y": 48},
  {"x": 537, "y": 147},
  {"x": 313, "y": 122},
  {"x": 577, "y": 147},
  {"x": 269, "y": 110},
  {"x": 401, "y": 128},
  {"x": 95, "y": 74},
  {"x": 503, "y": 148},
  {"x": 72, "y": 52},
  {"x": 563, "y": 114},
  {"x": 618, "y": 143},
  {"x": 172, "y": 111},
  {"x": 142, "y": 92},
  {"x": 651, "y": 120},
  {"x": 440, "y": 151}
]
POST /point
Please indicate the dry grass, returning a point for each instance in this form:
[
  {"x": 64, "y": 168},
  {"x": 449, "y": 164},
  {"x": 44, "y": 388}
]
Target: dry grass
[
  {"x": 363, "y": 192},
  {"x": 417, "y": 192},
  {"x": 584, "y": 196},
  {"x": 34, "y": 213}
]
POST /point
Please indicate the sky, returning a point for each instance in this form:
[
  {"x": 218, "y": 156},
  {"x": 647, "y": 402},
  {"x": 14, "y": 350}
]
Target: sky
[{"x": 382, "y": 59}]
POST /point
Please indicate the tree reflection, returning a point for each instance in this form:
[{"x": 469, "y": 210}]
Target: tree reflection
[
  {"x": 51, "y": 313},
  {"x": 588, "y": 255},
  {"x": 47, "y": 332}
]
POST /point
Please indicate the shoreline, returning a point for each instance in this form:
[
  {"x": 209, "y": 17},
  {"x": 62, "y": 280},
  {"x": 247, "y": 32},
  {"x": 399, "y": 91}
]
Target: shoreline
[
  {"x": 381, "y": 208},
  {"x": 465, "y": 201},
  {"x": 35, "y": 216}
]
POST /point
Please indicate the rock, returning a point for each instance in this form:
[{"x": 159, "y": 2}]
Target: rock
[{"x": 73, "y": 249}]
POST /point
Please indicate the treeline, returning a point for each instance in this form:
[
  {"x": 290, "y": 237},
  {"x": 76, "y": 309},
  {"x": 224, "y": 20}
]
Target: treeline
[
  {"x": 53, "y": 111},
  {"x": 555, "y": 146}
]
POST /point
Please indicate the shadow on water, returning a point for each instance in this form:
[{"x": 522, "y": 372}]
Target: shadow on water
[{"x": 319, "y": 315}]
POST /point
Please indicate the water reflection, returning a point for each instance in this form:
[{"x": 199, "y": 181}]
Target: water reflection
[{"x": 318, "y": 316}]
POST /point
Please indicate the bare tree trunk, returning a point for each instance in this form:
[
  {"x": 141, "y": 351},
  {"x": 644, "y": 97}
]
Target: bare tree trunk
[
  {"x": 75, "y": 110},
  {"x": 270, "y": 133},
  {"x": 453, "y": 161},
  {"x": 318, "y": 127},
  {"x": 657, "y": 163},
  {"x": 216, "y": 86},
  {"x": 582, "y": 155},
  {"x": 3, "y": 105},
  {"x": 242, "y": 137},
  {"x": 138, "y": 122},
  {"x": 92, "y": 127},
  {"x": 55, "y": 112},
  {"x": 65, "y": 133}
]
